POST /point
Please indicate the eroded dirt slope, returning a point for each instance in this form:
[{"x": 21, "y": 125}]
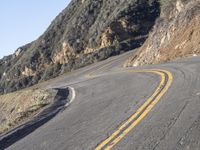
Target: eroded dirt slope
[{"x": 176, "y": 34}]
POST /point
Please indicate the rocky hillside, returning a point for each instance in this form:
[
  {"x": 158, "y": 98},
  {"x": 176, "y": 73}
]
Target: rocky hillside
[
  {"x": 176, "y": 34},
  {"x": 85, "y": 32}
]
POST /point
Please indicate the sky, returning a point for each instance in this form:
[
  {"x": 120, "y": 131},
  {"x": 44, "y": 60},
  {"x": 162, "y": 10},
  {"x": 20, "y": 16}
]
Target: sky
[{"x": 22, "y": 21}]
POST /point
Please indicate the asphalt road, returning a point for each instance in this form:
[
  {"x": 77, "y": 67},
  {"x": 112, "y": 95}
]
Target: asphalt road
[{"x": 108, "y": 95}]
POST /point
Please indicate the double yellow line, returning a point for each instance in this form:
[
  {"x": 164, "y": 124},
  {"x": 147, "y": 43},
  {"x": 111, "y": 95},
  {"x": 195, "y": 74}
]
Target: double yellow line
[
  {"x": 132, "y": 121},
  {"x": 142, "y": 112}
]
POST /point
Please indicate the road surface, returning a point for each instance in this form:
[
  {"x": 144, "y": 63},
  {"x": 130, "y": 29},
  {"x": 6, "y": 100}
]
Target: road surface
[{"x": 154, "y": 107}]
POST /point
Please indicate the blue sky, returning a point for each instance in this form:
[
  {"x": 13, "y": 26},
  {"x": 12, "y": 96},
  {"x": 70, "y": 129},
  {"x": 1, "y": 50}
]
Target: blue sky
[{"x": 23, "y": 21}]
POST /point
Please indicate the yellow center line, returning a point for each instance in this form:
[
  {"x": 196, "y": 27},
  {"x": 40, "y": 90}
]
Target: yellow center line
[
  {"x": 164, "y": 86},
  {"x": 90, "y": 75},
  {"x": 143, "y": 115},
  {"x": 143, "y": 110}
]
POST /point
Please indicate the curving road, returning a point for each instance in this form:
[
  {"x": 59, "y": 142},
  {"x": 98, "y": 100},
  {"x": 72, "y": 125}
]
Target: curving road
[{"x": 147, "y": 108}]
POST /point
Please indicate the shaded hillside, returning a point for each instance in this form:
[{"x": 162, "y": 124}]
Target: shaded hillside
[
  {"x": 85, "y": 32},
  {"x": 176, "y": 34}
]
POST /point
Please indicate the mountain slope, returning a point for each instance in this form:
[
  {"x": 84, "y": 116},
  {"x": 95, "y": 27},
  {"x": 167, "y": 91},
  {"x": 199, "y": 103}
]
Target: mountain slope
[
  {"x": 176, "y": 34},
  {"x": 85, "y": 32}
]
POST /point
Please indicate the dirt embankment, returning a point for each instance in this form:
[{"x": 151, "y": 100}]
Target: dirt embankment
[
  {"x": 16, "y": 108},
  {"x": 176, "y": 34}
]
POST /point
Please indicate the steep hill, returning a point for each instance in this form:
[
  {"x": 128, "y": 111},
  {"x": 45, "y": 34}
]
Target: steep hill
[
  {"x": 176, "y": 34},
  {"x": 85, "y": 32}
]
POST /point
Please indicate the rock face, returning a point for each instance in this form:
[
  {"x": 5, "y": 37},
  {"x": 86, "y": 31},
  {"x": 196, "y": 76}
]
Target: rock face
[
  {"x": 85, "y": 32},
  {"x": 176, "y": 34}
]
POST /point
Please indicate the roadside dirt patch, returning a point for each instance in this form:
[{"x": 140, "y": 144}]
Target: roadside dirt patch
[{"x": 18, "y": 107}]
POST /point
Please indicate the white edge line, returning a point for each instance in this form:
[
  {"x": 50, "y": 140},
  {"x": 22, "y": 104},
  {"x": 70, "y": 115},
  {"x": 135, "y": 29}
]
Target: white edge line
[{"x": 73, "y": 95}]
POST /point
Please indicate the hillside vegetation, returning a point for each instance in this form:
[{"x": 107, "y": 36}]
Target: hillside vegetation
[
  {"x": 85, "y": 32},
  {"x": 88, "y": 31}
]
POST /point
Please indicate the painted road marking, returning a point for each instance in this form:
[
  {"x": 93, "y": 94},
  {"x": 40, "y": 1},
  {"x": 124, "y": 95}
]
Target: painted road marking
[
  {"x": 73, "y": 96},
  {"x": 91, "y": 74},
  {"x": 142, "y": 112}
]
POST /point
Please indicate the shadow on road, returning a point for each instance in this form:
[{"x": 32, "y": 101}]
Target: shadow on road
[{"x": 21, "y": 131}]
